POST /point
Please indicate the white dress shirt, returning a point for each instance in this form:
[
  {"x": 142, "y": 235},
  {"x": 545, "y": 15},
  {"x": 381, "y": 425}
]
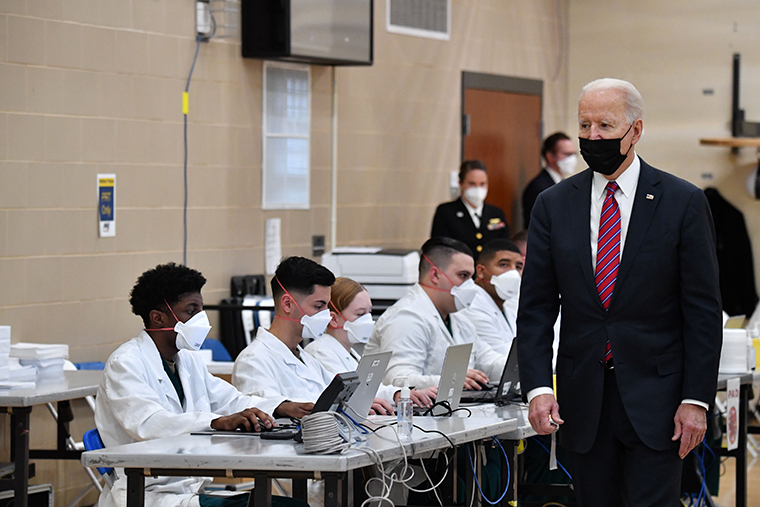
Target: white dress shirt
[
  {"x": 556, "y": 177},
  {"x": 475, "y": 213},
  {"x": 627, "y": 183},
  {"x": 625, "y": 194}
]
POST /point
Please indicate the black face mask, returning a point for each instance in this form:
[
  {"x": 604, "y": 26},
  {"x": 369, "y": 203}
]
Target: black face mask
[{"x": 603, "y": 155}]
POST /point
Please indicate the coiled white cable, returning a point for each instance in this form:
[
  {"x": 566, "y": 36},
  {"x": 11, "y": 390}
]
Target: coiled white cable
[{"x": 321, "y": 434}]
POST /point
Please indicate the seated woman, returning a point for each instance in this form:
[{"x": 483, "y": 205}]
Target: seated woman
[{"x": 350, "y": 307}]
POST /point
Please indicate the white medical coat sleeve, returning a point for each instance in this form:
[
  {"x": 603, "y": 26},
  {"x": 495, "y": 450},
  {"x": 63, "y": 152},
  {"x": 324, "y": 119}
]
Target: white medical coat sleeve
[
  {"x": 225, "y": 399},
  {"x": 386, "y": 392},
  {"x": 488, "y": 360},
  {"x": 257, "y": 379},
  {"x": 140, "y": 411},
  {"x": 408, "y": 338}
]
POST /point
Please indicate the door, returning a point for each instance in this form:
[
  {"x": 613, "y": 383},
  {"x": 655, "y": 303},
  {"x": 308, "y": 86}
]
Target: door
[{"x": 502, "y": 128}]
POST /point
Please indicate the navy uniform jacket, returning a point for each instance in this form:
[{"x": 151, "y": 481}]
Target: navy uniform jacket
[
  {"x": 452, "y": 220},
  {"x": 663, "y": 322}
]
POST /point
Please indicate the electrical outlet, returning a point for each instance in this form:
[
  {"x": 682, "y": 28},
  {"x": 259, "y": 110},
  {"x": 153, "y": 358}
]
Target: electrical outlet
[{"x": 317, "y": 246}]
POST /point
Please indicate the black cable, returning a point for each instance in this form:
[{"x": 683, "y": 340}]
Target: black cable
[
  {"x": 184, "y": 166},
  {"x": 445, "y": 404},
  {"x": 436, "y": 431}
]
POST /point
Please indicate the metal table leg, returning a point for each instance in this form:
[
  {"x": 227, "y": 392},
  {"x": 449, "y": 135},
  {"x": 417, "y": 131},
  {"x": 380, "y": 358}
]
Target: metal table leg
[
  {"x": 20, "y": 453},
  {"x": 262, "y": 491},
  {"x": 332, "y": 490},
  {"x": 741, "y": 451},
  {"x": 510, "y": 446},
  {"x": 135, "y": 487},
  {"x": 301, "y": 489}
]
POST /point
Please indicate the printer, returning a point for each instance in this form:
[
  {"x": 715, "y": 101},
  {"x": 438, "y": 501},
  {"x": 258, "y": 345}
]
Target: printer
[{"x": 387, "y": 274}]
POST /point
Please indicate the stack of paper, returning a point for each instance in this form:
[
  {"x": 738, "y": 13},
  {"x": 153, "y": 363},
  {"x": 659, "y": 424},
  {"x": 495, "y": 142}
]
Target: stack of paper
[
  {"x": 24, "y": 350},
  {"x": 21, "y": 373},
  {"x": 7, "y": 385},
  {"x": 5, "y": 348},
  {"x": 46, "y": 358}
]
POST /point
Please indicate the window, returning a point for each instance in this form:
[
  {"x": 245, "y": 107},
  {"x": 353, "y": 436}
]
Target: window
[{"x": 286, "y": 136}]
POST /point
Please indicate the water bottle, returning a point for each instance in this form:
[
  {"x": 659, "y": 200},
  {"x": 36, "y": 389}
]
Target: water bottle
[{"x": 404, "y": 414}]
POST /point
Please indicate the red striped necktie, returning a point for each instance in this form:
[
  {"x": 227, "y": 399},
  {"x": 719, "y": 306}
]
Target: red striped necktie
[{"x": 608, "y": 251}]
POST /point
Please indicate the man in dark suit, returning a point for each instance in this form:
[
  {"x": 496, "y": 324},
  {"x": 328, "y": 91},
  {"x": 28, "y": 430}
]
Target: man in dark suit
[
  {"x": 628, "y": 251},
  {"x": 559, "y": 153},
  {"x": 470, "y": 219}
]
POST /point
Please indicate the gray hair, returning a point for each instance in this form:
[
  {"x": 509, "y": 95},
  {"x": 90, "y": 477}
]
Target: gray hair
[{"x": 634, "y": 104}]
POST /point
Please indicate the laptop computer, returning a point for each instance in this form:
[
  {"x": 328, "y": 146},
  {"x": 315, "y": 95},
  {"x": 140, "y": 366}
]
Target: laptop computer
[
  {"x": 370, "y": 371},
  {"x": 508, "y": 388},
  {"x": 450, "y": 385}
]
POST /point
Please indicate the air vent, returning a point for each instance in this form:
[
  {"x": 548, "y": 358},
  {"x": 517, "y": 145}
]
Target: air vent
[{"x": 421, "y": 18}]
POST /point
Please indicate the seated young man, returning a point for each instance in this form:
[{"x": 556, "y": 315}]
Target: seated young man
[
  {"x": 154, "y": 387},
  {"x": 498, "y": 272},
  {"x": 274, "y": 365},
  {"x": 420, "y": 326}
]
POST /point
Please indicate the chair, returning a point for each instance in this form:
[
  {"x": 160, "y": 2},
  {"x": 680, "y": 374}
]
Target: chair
[
  {"x": 218, "y": 350},
  {"x": 92, "y": 442}
]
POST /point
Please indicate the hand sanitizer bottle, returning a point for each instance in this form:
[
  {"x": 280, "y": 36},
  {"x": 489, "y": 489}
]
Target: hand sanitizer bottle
[{"x": 404, "y": 411}]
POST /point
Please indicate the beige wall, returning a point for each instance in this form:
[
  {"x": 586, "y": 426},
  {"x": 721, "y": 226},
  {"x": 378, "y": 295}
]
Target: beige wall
[
  {"x": 96, "y": 87},
  {"x": 672, "y": 51},
  {"x": 399, "y": 131}
]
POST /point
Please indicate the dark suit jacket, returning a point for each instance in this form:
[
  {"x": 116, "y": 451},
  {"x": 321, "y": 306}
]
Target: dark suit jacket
[
  {"x": 452, "y": 220},
  {"x": 537, "y": 185},
  {"x": 663, "y": 322}
]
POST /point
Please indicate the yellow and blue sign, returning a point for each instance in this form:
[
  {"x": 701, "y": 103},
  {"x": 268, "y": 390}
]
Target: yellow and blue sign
[{"x": 106, "y": 205}]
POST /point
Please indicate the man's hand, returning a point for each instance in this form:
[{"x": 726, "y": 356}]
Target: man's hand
[
  {"x": 543, "y": 409},
  {"x": 472, "y": 378},
  {"x": 424, "y": 397},
  {"x": 293, "y": 409},
  {"x": 250, "y": 418},
  {"x": 691, "y": 424},
  {"x": 381, "y": 407},
  {"x": 421, "y": 398}
]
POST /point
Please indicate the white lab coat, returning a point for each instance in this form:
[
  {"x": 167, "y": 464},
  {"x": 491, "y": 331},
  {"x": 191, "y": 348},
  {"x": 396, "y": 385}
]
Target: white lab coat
[
  {"x": 137, "y": 401},
  {"x": 491, "y": 324},
  {"x": 414, "y": 330},
  {"x": 332, "y": 354},
  {"x": 267, "y": 368},
  {"x": 336, "y": 359}
]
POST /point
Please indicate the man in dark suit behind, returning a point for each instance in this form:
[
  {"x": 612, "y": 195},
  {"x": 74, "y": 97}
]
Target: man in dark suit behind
[
  {"x": 469, "y": 218},
  {"x": 559, "y": 153},
  {"x": 640, "y": 336}
]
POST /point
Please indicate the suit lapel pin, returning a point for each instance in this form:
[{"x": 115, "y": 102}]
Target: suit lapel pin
[
  {"x": 650, "y": 197},
  {"x": 460, "y": 214}
]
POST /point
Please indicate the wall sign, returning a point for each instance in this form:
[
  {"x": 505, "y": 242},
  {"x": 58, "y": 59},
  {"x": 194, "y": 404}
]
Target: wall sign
[{"x": 106, "y": 205}]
